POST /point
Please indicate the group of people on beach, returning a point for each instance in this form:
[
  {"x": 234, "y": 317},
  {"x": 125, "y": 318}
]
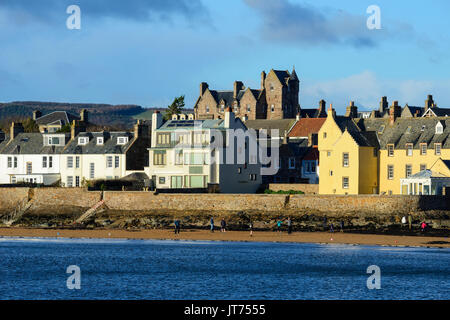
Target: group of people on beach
[{"x": 405, "y": 220}]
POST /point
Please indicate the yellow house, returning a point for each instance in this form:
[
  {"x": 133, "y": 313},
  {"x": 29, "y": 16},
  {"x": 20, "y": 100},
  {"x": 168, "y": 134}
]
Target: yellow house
[
  {"x": 348, "y": 157},
  {"x": 409, "y": 146}
]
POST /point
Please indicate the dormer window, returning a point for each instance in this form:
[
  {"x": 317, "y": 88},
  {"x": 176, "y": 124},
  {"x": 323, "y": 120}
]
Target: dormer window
[
  {"x": 53, "y": 141},
  {"x": 122, "y": 140},
  {"x": 100, "y": 141},
  {"x": 439, "y": 128},
  {"x": 82, "y": 141},
  {"x": 381, "y": 130}
]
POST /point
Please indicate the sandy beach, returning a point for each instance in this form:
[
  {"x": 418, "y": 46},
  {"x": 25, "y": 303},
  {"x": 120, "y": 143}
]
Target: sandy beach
[{"x": 261, "y": 236}]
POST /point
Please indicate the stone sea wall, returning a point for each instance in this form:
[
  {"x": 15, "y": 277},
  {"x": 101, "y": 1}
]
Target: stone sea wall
[{"x": 61, "y": 206}]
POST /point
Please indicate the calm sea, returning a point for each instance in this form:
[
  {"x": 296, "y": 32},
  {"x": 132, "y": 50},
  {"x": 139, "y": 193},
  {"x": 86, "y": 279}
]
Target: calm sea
[{"x": 147, "y": 269}]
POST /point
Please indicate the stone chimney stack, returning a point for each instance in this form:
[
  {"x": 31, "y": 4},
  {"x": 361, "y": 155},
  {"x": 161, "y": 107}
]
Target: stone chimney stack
[
  {"x": 263, "y": 79},
  {"x": 141, "y": 130},
  {"x": 157, "y": 121},
  {"x": 203, "y": 87},
  {"x": 352, "y": 110},
  {"x": 383, "y": 105},
  {"x": 84, "y": 116},
  {"x": 16, "y": 128},
  {"x": 238, "y": 86},
  {"x": 76, "y": 127},
  {"x": 36, "y": 114},
  {"x": 395, "y": 111},
  {"x": 429, "y": 103},
  {"x": 322, "y": 107}
]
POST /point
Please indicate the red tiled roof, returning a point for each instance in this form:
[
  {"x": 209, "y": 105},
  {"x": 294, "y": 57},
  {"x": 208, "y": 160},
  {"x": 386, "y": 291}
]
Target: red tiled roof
[{"x": 306, "y": 126}]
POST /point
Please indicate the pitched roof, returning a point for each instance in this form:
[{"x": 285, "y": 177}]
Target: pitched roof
[
  {"x": 306, "y": 126},
  {"x": 425, "y": 174},
  {"x": 30, "y": 143},
  {"x": 109, "y": 145},
  {"x": 57, "y": 117},
  {"x": 282, "y": 125}
]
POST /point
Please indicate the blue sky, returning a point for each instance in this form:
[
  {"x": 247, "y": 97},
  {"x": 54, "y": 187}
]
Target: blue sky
[{"x": 147, "y": 52}]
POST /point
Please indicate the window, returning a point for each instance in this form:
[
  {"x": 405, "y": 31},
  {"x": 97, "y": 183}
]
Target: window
[
  {"x": 109, "y": 161},
  {"x": 272, "y": 108},
  {"x": 178, "y": 157},
  {"x": 116, "y": 161},
  {"x": 423, "y": 167},
  {"x": 15, "y": 162},
  {"x": 44, "y": 162},
  {"x": 70, "y": 181},
  {"x": 177, "y": 182},
  {"x": 69, "y": 162},
  {"x": 162, "y": 180},
  {"x": 345, "y": 159},
  {"x": 439, "y": 128},
  {"x": 159, "y": 157},
  {"x": 13, "y": 179},
  {"x": 122, "y": 140},
  {"x": 408, "y": 170},
  {"x": 9, "y": 162},
  {"x": 381, "y": 130},
  {"x": 77, "y": 162},
  {"x": 390, "y": 171},
  {"x": 194, "y": 158},
  {"x": 91, "y": 170},
  {"x": 163, "y": 138},
  {"x": 331, "y": 173},
  {"x": 207, "y": 109},
  {"x": 325, "y": 136},
  {"x": 50, "y": 162},
  {"x": 409, "y": 149},
  {"x": 437, "y": 149},
  {"x": 345, "y": 182},
  {"x": 29, "y": 168},
  {"x": 77, "y": 181},
  {"x": 272, "y": 87},
  {"x": 253, "y": 177},
  {"x": 83, "y": 141},
  {"x": 313, "y": 166},
  {"x": 249, "y": 109},
  {"x": 100, "y": 141},
  {"x": 329, "y": 154},
  {"x": 291, "y": 163},
  {"x": 423, "y": 149},
  {"x": 390, "y": 148}
]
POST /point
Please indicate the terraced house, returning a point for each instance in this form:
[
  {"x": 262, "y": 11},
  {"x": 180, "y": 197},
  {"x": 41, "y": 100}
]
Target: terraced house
[{"x": 385, "y": 155}]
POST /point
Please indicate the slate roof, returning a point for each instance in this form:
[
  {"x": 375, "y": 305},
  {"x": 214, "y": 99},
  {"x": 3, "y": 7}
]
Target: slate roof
[
  {"x": 410, "y": 130},
  {"x": 57, "y": 117},
  {"x": 283, "y": 125},
  {"x": 306, "y": 126},
  {"x": 426, "y": 174},
  {"x": 193, "y": 124},
  {"x": 109, "y": 145},
  {"x": 30, "y": 143},
  {"x": 441, "y": 112},
  {"x": 411, "y": 111}
]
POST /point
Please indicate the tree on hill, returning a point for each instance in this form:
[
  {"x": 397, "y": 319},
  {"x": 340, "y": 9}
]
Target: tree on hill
[{"x": 175, "y": 108}]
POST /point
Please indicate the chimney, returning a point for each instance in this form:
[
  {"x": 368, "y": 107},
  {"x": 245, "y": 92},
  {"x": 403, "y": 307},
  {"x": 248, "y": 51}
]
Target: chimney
[
  {"x": 36, "y": 114},
  {"x": 16, "y": 128},
  {"x": 263, "y": 79},
  {"x": 322, "y": 107},
  {"x": 76, "y": 128},
  {"x": 229, "y": 118},
  {"x": 383, "y": 105},
  {"x": 157, "y": 121},
  {"x": 203, "y": 87},
  {"x": 238, "y": 86},
  {"x": 84, "y": 115},
  {"x": 429, "y": 103},
  {"x": 352, "y": 110},
  {"x": 141, "y": 130},
  {"x": 331, "y": 111}
]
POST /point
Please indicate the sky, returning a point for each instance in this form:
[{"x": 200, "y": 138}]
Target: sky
[{"x": 147, "y": 52}]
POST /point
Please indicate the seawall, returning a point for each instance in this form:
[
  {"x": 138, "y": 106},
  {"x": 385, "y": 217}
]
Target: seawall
[{"x": 123, "y": 209}]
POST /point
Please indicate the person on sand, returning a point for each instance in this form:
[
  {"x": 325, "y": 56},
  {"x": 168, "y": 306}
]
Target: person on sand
[
  {"x": 403, "y": 221},
  {"x": 250, "y": 226},
  {"x": 331, "y": 228},
  {"x": 423, "y": 225},
  {"x": 342, "y": 225},
  {"x": 177, "y": 226},
  {"x": 279, "y": 224},
  {"x": 223, "y": 225},
  {"x": 212, "y": 224},
  {"x": 289, "y": 223}
]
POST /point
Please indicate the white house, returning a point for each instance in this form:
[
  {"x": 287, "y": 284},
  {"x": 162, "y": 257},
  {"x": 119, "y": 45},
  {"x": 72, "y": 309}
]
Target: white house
[{"x": 198, "y": 154}]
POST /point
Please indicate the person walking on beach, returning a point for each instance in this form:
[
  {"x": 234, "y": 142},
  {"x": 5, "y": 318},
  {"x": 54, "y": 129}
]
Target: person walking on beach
[
  {"x": 342, "y": 225},
  {"x": 279, "y": 223},
  {"x": 331, "y": 228},
  {"x": 403, "y": 221},
  {"x": 212, "y": 224},
  {"x": 423, "y": 226},
  {"x": 289, "y": 223},
  {"x": 250, "y": 226},
  {"x": 410, "y": 221},
  {"x": 177, "y": 226},
  {"x": 223, "y": 225}
]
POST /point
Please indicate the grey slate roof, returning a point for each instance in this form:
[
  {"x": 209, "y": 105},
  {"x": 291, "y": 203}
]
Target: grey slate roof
[
  {"x": 283, "y": 125},
  {"x": 29, "y": 143},
  {"x": 228, "y": 96},
  {"x": 57, "y": 117},
  {"x": 109, "y": 146}
]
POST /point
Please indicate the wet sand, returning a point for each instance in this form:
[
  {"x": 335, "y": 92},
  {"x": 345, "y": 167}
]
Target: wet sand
[{"x": 260, "y": 236}]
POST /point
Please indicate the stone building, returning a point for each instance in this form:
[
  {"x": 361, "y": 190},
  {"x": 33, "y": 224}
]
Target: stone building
[{"x": 277, "y": 98}]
